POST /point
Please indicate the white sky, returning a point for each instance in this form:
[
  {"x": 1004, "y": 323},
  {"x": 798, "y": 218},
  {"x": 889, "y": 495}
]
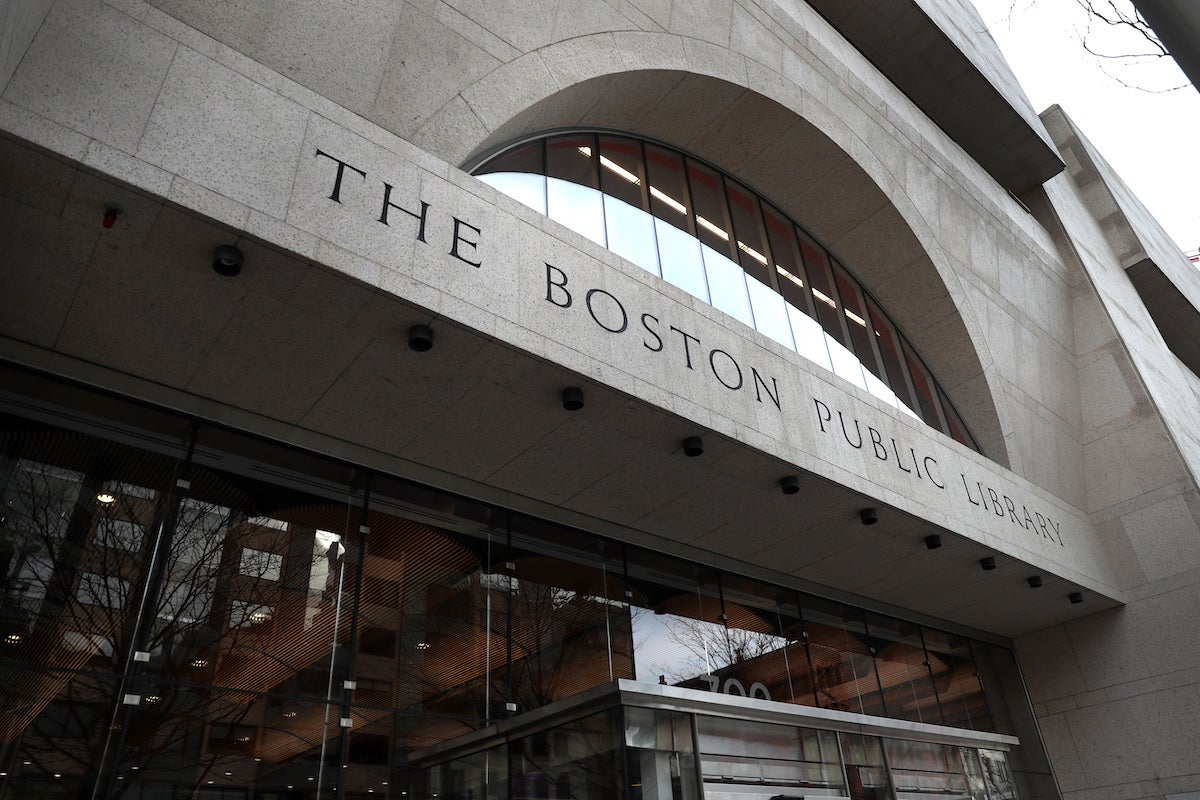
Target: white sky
[{"x": 1150, "y": 139}]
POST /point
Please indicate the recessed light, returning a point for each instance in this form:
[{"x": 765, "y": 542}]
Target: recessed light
[{"x": 106, "y": 498}]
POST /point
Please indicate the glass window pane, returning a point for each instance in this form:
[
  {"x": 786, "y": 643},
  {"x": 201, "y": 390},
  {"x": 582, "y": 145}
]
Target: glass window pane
[
  {"x": 622, "y": 171},
  {"x": 572, "y": 187},
  {"x": 925, "y": 390},
  {"x": 857, "y": 323},
  {"x": 958, "y": 431},
  {"x": 712, "y": 215},
  {"x": 770, "y": 313},
  {"x": 679, "y": 254},
  {"x": 631, "y": 234},
  {"x": 579, "y": 208},
  {"x": 843, "y": 668},
  {"x": 960, "y": 692},
  {"x": 906, "y": 675},
  {"x": 727, "y": 285},
  {"x": 925, "y": 769},
  {"x": 743, "y": 760},
  {"x": 669, "y": 197},
  {"x": 810, "y": 339},
  {"x": 527, "y": 189},
  {"x": 889, "y": 349},
  {"x": 829, "y": 310},
  {"x": 752, "y": 249},
  {"x": 785, "y": 252},
  {"x": 866, "y": 772},
  {"x": 519, "y": 173}
]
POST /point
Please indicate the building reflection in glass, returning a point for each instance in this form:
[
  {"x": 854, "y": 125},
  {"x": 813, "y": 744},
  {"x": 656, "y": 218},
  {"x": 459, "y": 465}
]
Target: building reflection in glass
[{"x": 192, "y": 611}]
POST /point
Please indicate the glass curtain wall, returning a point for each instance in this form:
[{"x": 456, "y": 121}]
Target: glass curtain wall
[
  {"x": 189, "y": 611},
  {"x": 703, "y": 231}
]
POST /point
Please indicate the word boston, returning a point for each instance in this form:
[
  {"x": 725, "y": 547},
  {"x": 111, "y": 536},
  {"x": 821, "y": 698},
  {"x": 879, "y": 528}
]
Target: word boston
[
  {"x": 612, "y": 315},
  {"x": 849, "y": 432}
]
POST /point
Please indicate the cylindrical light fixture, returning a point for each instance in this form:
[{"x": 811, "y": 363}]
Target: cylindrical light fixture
[
  {"x": 693, "y": 446},
  {"x": 1034, "y": 581},
  {"x": 933, "y": 541},
  {"x": 987, "y": 563},
  {"x": 420, "y": 338},
  {"x": 572, "y": 398},
  {"x": 1075, "y": 597},
  {"x": 789, "y": 484},
  {"x": 868, "y": 516},
  {"x": 227, "y": 260}
]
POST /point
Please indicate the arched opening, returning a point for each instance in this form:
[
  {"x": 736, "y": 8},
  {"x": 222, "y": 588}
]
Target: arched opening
[{"x": 781, "y": 155}]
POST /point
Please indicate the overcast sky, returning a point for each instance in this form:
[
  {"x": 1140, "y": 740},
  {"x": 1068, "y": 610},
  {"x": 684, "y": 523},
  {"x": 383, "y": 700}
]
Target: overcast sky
[{"x": 1150, "y": 138}]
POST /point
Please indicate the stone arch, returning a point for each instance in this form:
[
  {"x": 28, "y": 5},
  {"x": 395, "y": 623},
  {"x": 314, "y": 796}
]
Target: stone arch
[{"x": 815, "y": 165}]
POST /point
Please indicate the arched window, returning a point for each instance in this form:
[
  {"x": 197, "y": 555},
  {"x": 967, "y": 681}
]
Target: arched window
[{"x": 702, "y": 230}]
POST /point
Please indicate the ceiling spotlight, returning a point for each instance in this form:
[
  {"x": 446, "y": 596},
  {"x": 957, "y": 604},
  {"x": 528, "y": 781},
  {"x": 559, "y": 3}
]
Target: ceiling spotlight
[
  {"x": 1075, "y": 597},
  {"x": 227, "y": 260},
  {"x": 106, "y": 498},
  {"x": 933, "y": 541},
  {"x": 868, "y": 516},
  {"x": 111, "y": 212},
  {"x": 420, "y": 338},
  {"x": 572, "y": 398},
  {"x": 987, "y": 563},
  {"x": 789, "y": 484},
  {"x": 693, "y": 446},
  {"x": 1034, "y": 581}
]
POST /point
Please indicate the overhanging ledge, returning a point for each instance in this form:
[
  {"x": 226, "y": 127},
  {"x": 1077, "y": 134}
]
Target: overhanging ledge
[{"x": 915, "y": 54}]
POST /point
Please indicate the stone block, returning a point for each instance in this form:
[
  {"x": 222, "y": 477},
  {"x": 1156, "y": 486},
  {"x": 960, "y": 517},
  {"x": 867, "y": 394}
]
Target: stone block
[
  {"x": 225, "y": 133},
  {"x": 94, "y": 70}
]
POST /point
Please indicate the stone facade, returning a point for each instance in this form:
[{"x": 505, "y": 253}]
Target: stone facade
[{"x": 289, "y": 127}]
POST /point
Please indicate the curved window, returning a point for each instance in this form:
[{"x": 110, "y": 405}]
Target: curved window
[{"x": 713, "y": 237}]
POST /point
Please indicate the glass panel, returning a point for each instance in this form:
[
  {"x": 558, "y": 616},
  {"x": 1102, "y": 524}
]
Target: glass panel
[
  {"x": 857, "y": 323},
  {"x": 519, "y": 174},
  {"x": 843, "y": 668},
  {"x": 579, "y": 208},
  {"x": 904, "y": 671},
  {"x": 572, "y": 186},
  {"x": 743, "y": 760},
  {"x": 712, "y": 216},
  {"x": 527, "y": 189},
  {"x": 866, "y": 773},
  {"x": 677, "y": 633},
  {"x": 622, "y": 171},
  {"x": 888, "y": 341},
  {"x": 785, "y": 251},
  {"x": 669, "y": 197},
  {"x": 752, "y": 249},
  {"x": 829, "y": 310},
  {"x": 629, "y": 226},
  {"x": 926, "y": 392},
  {"x": 759, "y": 649},
  {"x": 958, "y": 431},
  {"x": 631, "y": 234},
  {"x": 478, "y": 776},
  {"x": 925, "y": 769},
  {"x": 727, "y": 285},
  {"x": 959, "y": 690},
  {"x": 679, "y": 254},
  {"x": 561, "y": 620},
  {"x": 810, "y": 339},
  {"x": 580, "y": 760},
  {"x": 770, "y": 313},
  {"x": 996, "y": 775},
  {"x": 660, "y": 755}
]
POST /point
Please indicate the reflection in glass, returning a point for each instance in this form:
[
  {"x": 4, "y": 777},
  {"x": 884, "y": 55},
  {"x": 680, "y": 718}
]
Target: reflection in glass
[{"x": 742, "y": 760}]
